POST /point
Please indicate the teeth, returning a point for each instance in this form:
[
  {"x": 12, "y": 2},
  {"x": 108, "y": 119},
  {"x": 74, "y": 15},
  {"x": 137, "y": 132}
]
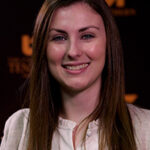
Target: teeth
[{"x": 77, "y": 67}]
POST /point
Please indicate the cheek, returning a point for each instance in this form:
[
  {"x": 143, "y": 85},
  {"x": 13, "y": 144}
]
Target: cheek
[
  {"x": 54, "y": 54},
  {"x": 97, "y": 50}
]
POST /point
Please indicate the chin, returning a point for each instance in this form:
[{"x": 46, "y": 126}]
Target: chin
[
  {"x": 78, "y": 88},
  {"x": 75, "y": 88}
]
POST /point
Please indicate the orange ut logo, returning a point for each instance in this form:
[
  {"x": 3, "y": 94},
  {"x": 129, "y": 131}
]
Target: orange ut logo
[
  {"x": 118, "y": 3},
  {"x": 26, "y": 43}
]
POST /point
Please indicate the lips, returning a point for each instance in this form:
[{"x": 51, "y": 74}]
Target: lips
[{"x": 75, "y": 68}]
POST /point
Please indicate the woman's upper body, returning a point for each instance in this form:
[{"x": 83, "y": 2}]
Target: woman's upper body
[
  {"x": 77, "y": 73},
  {"x": 16, "y": 132}
]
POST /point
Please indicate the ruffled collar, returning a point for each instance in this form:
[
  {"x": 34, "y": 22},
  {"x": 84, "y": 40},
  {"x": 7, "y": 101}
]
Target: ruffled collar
[{"x": 69, "y": 124}]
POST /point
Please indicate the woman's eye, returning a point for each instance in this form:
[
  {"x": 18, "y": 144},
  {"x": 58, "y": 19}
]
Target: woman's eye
[
  {"x": 87, "y": 36},
  {"x": 59, "y": 38}
]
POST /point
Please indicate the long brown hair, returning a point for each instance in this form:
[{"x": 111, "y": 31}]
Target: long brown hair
[{"x": 44, "y": 94}]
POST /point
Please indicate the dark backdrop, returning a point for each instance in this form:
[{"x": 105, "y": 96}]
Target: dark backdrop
[{"x": 17, "y": 19}]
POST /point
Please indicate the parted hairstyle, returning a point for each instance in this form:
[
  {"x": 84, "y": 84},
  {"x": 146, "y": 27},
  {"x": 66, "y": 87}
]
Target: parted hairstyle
[{"x": 44, "y": 94}]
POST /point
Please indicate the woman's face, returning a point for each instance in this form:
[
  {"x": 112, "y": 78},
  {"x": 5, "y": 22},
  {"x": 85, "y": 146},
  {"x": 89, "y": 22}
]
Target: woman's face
[{"x": 76, "y": 47}]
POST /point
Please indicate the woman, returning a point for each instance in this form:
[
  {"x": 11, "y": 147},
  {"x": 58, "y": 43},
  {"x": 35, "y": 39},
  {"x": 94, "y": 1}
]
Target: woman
[{"x": 76, "y": 86}]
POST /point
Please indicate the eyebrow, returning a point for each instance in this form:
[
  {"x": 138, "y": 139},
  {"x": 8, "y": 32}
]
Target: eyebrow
[
  {"x": 86, "y": 28},
  {"x": 80, "y": 30},
  {"x": 58, "y": 30}
]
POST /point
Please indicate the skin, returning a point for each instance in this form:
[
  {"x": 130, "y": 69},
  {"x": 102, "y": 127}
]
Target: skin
[{"x": 76, "y": 56}]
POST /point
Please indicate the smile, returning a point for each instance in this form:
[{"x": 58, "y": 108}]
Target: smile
[
  {"x": 78, "y": 67},
  {"x": 75, "y": 68}
]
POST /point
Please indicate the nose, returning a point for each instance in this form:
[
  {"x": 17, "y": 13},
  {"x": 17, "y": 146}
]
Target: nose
[{"x": 74, "y": 50}]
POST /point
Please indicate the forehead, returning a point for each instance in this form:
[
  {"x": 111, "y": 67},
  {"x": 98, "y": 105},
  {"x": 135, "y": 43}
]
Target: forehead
[{"x": 75, "y": 15}]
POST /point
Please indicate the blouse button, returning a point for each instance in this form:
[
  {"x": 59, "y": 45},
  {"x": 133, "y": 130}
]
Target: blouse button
[{"x": 89, "y": 133}]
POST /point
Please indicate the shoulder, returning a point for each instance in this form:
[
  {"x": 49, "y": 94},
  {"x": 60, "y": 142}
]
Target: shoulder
[
  {"x": 18, "y": 118},
  {"x": 15, "y": 131},
  {"x": 139, "y": 114},
  {"x": 141, "y": 125}
]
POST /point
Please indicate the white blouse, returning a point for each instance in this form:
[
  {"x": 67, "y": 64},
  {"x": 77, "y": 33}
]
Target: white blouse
[
  {"x": 63, "y": 135},
  {"x": 16, "y": 132}
]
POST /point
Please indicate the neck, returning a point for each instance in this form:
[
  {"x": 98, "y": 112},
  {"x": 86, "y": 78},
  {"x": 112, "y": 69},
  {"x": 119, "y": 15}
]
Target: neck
[{"x": 80, "y": 105}]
